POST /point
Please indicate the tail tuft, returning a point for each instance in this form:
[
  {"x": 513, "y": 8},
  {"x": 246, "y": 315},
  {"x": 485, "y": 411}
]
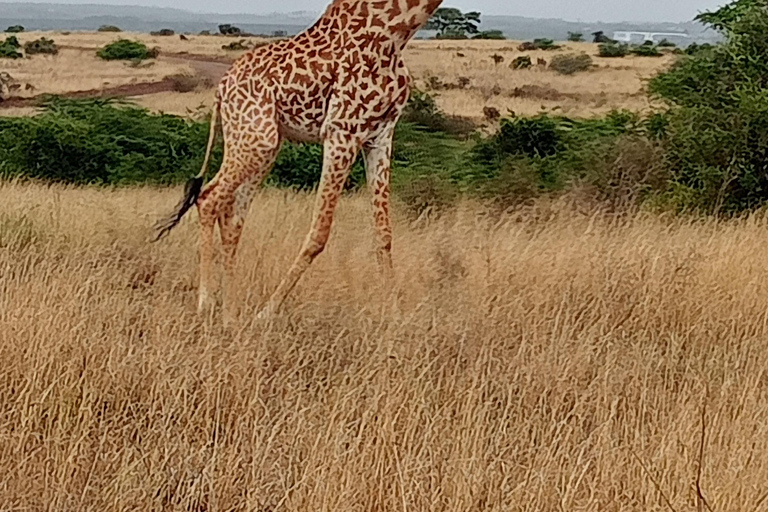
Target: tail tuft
[{"x": 191, "y": 194}]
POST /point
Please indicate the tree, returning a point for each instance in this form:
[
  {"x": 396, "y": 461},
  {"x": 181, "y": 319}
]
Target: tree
[
  {"x": 575, "y": 37},
  {"x": 724, "y": 18},
  {"x": 451, "y": 22}
]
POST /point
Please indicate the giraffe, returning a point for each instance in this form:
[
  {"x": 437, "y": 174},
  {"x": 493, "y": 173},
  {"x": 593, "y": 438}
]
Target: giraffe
[{"x": 343, "y": 83}]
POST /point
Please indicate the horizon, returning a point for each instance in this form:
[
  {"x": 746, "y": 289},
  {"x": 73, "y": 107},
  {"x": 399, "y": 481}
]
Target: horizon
[{"x": 315, "y": 7}]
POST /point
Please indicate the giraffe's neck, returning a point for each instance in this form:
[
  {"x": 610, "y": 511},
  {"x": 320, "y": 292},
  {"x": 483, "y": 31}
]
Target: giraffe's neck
[{"x": 399, "y": 20}]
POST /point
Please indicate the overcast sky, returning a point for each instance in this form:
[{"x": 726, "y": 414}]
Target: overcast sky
[{"x": 575, "y": 10}]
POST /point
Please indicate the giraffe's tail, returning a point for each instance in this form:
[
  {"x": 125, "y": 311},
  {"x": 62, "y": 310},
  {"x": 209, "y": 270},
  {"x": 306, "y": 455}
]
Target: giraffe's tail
[{"x": 194, "y": 187}]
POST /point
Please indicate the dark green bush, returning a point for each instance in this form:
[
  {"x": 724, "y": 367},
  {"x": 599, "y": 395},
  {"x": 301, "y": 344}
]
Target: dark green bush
[
  {"x": 666, "y": 43},
  {"x": 571, "y": 64},
  {"x": 9, "y": 48},
  {"x": 645, "y": 51},
  {"x": 109, "y": 28},
  {"x": 575, "y": 37},
  {"x": 423, "y": 111},
  {"x": 41, "y": 46},
  {"x": 124, "y": 49},
  {"x": 15, "y": 29},
  {"x": 490, "y": 34},
  {"x": 716, "y": 129},
  {"x": 613, "y": 50}
]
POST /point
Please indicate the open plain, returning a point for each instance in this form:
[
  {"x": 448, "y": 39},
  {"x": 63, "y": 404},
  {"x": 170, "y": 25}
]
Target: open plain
[{"x": 556, "y": 356}]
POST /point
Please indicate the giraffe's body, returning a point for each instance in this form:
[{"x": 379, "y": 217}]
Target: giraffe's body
[{"x": 342, "y": 82}]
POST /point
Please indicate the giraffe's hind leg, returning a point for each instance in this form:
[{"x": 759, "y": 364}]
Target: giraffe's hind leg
[
  {"x": 227, "y": 199},
  {"x": 232, "y": 221}
]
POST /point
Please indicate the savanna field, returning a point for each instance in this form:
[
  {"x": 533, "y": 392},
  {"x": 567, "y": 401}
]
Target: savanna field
[{"x": 572, "y": 350}]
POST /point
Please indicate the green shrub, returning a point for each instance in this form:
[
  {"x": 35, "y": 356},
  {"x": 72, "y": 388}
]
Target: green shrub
[
  {"x": 423, "y": 111},
  {"x": 575, "y": 37},
  {"x": 666, "y": 43},
  {"x": 645, "y": 51},
  {"x": 571, "y": 64},
  {"x": 716, "y": 129},
  {"x": 109, "y": 28},
  {"x": 124, "y": 49},
  {"x": 613, "y": 50},
  {"x": 9, "y": 48},
  {"x": 15, "y": 29},
  {"x": 491, "y": 34},
  {"x": 41, "y": 46},
  {"x": 522, "y": 62}
]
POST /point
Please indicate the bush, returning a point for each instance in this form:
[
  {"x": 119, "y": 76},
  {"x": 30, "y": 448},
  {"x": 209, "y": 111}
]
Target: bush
[
  {"x": 15, "y": 29},
  {"x": 575, "y": 37},
  {"x": 229, "y": 30},
  {"x": 715, "y": 132},
  {"x": 666, "y": 43},
  {"x": 110, "y": 142},
  {"x": 423, "y": 111},
  {"x": 613, "y": 50},
  {"x": 538, "y": 44},
  {"x": 522, "y": 62},
  {"x": 109, "y": 28},
  {"x": 571, "y": 64},
  {"x": 600, "y": 38},
  {"x": 491, "y": 34},
  {"x": 9, "y": 48},
  {"x": 41, "y": 46},
  {"x": 125, "y": 49},
  {"x": 165, "y": 32},
  {"x": 645, "y": 51}
]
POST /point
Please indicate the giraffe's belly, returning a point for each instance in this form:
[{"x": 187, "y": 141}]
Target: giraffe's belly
[{"x": 300, "y": 132}]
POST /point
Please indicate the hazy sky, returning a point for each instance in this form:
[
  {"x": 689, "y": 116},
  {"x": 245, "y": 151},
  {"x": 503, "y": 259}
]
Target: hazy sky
[{"x": 586, "y": 10}]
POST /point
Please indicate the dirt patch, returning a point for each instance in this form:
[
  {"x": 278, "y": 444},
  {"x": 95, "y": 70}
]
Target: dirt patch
[{"x": 140, "y": 89}]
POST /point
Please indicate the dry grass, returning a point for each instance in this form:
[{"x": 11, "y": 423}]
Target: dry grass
[
  {"x": 515, "y": 364},
  {"x": 74, "y": 70},
  {"x": 613, "y": 84}
]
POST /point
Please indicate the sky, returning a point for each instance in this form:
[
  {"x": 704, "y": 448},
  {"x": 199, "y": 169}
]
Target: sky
[{"x": 573, "y": 10}]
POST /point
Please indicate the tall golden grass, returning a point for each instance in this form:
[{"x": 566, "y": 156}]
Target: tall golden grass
[{"x": 526, "y": 362}]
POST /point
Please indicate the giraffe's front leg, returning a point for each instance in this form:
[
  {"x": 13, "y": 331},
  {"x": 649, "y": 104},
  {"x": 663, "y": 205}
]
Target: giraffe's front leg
[
  {"x": 339, "y": 153},
  {"x": 378, "y": 157}
]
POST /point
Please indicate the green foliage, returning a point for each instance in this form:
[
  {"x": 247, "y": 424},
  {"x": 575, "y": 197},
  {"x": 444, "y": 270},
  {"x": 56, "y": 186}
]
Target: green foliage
[
  {"x": 41, "y": 46},
  {"x": 613, "y": 50},
  {"x": 716, "y": 129},
  {"x": 528, "y": 157},
  {"x": 695, "y": 48},
  {"x": 491, "y": 34},
  {"x": 571, "y": 64},
  {"x": 109, "y": 28},
  {"x": 15, "y": 29},
  {"x": 599, "y": 37},
  {"x": 666, "y": 43},
  {"x": 522, "y": 62},
  {"x": 575, "y": 37},
  {"x": 423, "y": 111},
  {"x": 451, "y": 23},
  {"x": 9, "y": 48},
  {"x": 124, "y": 49},
  {"x": 229, "y": 30},
  {"x": 725, "y": 18},
  {"x": 538, "y": 44},
  {"x": 645, "y": 50}
]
